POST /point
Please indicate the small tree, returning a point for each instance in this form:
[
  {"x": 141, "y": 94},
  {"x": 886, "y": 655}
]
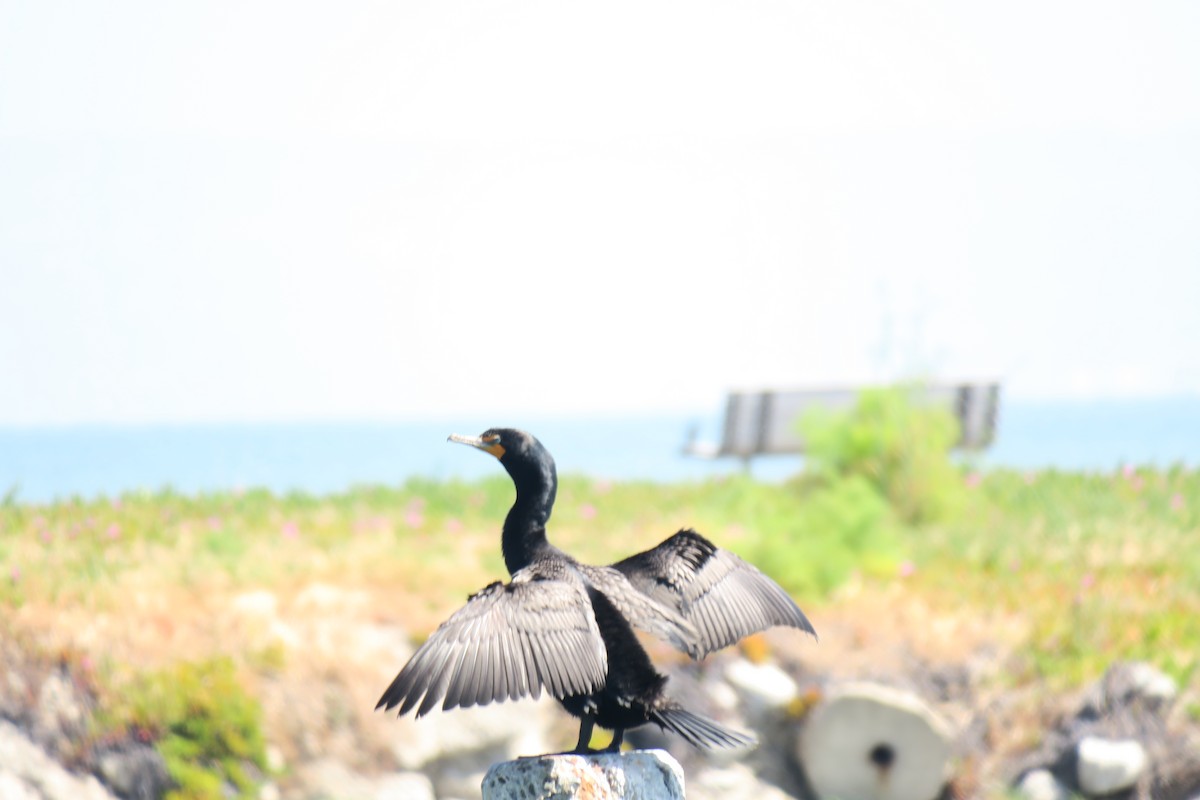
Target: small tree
[{"x": 898, "y": 444}]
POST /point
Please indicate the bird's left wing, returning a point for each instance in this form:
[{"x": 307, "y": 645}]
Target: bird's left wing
[
  {"x": 507, "y": 642},
  {"x": 720, "y": 595}
]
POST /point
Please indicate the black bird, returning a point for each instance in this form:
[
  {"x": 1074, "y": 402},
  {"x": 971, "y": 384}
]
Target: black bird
[{"x": 568, "y": 627}]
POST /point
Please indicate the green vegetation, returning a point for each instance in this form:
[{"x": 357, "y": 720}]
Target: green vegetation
[
  {"x": 1092, "y": 566},
  {"x": 901, "y": 447},
  {"x": 1101, "y": 566},
  {"x": 207, "y": 727}
]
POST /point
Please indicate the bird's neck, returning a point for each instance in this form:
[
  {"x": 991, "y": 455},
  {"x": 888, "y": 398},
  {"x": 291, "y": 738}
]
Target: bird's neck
[{"x": 524, "y": 536}]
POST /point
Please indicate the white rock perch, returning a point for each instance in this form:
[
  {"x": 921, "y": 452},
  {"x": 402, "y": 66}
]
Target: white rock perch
[{"x": 636, "y": 775}]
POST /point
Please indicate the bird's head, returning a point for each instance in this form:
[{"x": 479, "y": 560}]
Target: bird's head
[
  {"x": 509, "y": 445},
  {"x": 527, "y": 462}
]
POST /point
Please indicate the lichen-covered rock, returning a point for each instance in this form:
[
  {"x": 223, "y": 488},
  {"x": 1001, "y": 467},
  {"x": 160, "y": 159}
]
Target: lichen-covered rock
[
  {"x": 1106, "y": 766},
  {"x": 871, "y": 742},
  {"x": 637, "y": 775}
]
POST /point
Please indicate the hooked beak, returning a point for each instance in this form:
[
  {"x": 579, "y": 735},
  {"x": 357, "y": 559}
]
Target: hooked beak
[{"x": 495, "y": 448}]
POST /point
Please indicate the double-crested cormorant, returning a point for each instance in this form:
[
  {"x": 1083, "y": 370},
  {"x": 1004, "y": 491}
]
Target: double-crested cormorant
[{"x": 568, "y": 627}]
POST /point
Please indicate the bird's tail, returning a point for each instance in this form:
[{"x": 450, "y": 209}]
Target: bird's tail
[{"x": 700, "y": 731}]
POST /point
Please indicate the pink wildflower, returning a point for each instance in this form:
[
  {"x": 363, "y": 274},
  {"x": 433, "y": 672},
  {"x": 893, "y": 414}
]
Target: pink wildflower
[
  {"x": 973, "y": 480},
  {"x": 15, "y": 574},
  {"x": 114, "y": 531},
  {"x": 1177, "y": 502},
  {"x": 587, "y": 511},
  {"x": 454, "y": 525},
  {"x": 907, "y": 569},
  {"x": 413, "y": 518},
  {"x": 1087, "y": 581},
  {"x": 290, "y": 530}
]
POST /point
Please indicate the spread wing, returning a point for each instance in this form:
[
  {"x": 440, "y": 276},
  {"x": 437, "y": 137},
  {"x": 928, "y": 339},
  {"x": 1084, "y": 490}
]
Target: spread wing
[
  {"x": 644, "y": 612},
  {"x": 723, "y": 597},
  {"x": 507, "y": 642}
]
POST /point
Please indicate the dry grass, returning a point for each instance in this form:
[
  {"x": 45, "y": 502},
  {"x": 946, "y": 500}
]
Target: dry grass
[{"x": 1037, "y": 586}]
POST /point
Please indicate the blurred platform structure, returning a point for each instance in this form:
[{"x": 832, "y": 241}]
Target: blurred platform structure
[{"x": 768, "y": 422}]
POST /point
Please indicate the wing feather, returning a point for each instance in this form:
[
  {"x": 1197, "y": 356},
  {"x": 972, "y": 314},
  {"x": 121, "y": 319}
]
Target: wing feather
[
  {"x": 504, "y": 690},
  {"x": 530, "y": 664},
  {"x": 457, "y": 687}
]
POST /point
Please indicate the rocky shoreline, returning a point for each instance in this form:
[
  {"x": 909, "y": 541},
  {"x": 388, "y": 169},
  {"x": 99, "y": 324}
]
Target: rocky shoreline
[
  {"x": 947, "y": 729},
  {"x": 1122, "y": 741}
]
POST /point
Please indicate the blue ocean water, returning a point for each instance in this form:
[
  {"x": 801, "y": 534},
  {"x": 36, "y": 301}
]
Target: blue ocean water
[{"x": 41, "y": 464}]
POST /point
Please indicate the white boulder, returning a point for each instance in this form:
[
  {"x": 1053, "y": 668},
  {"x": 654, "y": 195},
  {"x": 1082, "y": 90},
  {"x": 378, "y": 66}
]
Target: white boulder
[
  {"x": 329, "y": 778},
  {"x": 27, "y": 771},
  {"x": 1152, "y": 684},
  {"x": 404, "y": 786},
  {"x": 762, "y": 686},
  {"x": 1040, "y": 784},
  {"x": 732, "y": 782},
  {"x": 493, "y": 732},
  {"x": 1105, "y": 766}
]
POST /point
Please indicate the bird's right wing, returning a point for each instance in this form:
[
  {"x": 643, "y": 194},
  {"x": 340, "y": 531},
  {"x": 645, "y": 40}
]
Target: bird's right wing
[{"x": 507, "y": 642}]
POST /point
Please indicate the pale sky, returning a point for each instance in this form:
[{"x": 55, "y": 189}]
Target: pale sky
[{"x": 222, "y": 211}]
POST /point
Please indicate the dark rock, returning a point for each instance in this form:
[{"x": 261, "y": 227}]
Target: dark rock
[
  {"x": 1129, "y": 704},
  {"x": 1133, "y": 688},
  {"x": 134, "y": 771}
]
